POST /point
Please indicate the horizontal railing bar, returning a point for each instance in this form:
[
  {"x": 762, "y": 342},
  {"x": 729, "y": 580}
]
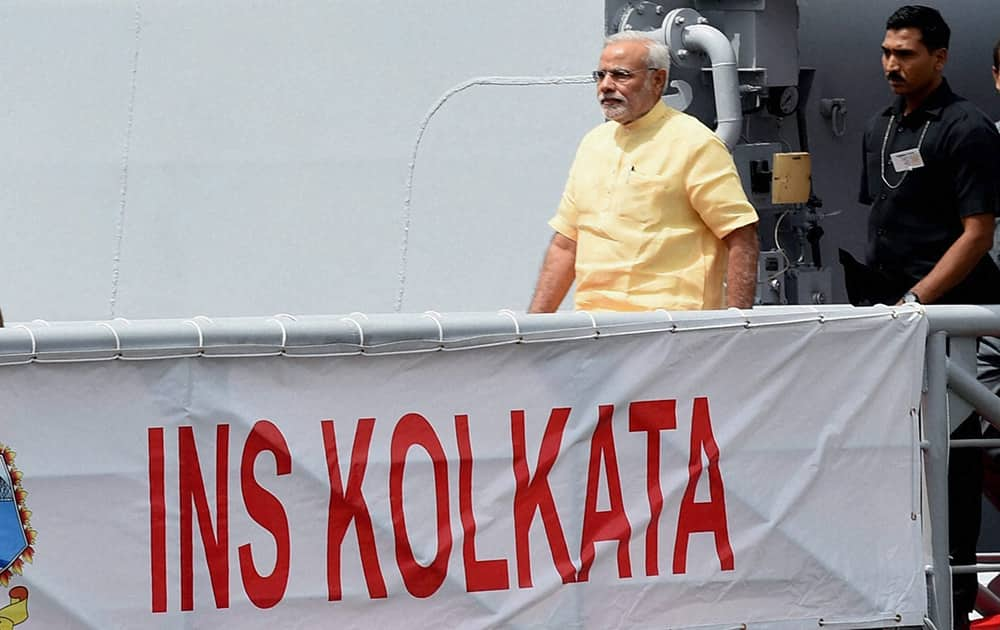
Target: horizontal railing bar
[
  {"x": 297, "y": 336},
  {"x": 982, "y": 443},
  {"x": 975, "y": 393},
  {"x": 964, "y": 320},
  {"x": 966, "y": 569}
]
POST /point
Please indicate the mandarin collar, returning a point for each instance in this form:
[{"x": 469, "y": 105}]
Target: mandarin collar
[
  {"x": 651, "y": 117},
  {"x": 930, "y": 108}
]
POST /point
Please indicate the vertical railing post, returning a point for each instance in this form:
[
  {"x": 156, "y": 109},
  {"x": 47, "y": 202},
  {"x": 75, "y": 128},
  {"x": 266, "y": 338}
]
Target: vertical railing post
[{"x": 937, "y": 433}]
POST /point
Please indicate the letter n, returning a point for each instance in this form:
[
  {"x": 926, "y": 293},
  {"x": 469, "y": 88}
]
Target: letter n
[{"x": 192, "y": 493}]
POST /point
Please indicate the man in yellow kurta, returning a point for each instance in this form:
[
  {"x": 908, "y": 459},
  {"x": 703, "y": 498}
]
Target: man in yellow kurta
[{"x": 653, "y": 209}]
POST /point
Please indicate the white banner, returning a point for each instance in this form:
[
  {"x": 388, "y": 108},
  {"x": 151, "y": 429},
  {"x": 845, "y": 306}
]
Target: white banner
[{"x": 766, "y": 476}]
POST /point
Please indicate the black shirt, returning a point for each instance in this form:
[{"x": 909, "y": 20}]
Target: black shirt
[{"x": 917, "y": 215}]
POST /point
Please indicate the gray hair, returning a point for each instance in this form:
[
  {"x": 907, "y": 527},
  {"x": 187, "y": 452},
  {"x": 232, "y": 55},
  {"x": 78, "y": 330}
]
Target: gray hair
[{"x": 657, "y": 55}]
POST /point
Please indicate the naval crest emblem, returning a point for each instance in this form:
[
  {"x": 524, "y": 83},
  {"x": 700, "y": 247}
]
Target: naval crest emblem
[{"x": 17, "y": 539}]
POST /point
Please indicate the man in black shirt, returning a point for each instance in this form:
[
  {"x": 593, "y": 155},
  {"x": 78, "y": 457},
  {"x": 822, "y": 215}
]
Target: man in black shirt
[{"x": 929, "y": 174}]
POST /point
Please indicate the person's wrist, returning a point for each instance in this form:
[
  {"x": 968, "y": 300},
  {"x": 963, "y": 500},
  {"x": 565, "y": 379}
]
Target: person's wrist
[{"x": 911, "y": 297}]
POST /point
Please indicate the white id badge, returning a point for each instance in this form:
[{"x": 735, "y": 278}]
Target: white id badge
[{"x": 908, "y": 160}]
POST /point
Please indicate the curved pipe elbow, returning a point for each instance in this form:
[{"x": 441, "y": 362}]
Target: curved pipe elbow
[{"x": 725, "y": 78}]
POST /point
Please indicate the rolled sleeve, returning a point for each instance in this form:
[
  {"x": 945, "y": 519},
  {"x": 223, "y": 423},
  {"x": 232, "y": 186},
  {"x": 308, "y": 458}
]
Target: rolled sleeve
[
  {"x": 976, "y": 154},
  {"x": 715, "y": 191},
  {"x": 567, "y": 214}
]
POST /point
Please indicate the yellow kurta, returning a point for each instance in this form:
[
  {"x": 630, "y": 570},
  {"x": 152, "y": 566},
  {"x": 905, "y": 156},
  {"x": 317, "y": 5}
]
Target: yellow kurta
[{"x": 648, "y": 204}]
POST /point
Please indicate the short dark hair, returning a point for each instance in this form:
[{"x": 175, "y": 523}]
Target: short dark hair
[
  {"x": 996, "y": 55},
  {"x": 934, "y": 31}
]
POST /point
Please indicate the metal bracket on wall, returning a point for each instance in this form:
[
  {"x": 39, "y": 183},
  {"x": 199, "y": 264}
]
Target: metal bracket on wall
[{"x": 835, "y": 110}]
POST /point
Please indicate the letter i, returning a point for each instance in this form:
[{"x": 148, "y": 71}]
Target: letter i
[{"x": 157, "y": 522}]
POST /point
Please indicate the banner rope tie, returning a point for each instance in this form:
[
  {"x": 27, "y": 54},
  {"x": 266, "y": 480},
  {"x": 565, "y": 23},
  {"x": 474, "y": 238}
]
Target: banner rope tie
[
  {"x": 513, "y": 317},
  {"x": 118, "y": 341},
  {"x": 593, "y": 322},
  {"x": 361, "y": 332},
  {"x": 201, "y": 335},
  {"x": 34, "y": 343},
  {"x": 434, "y": 315},
  {"x": 284, "y": 333},
  {"x": 670, "y": 318},
  {"x": 746, "y": 318}
]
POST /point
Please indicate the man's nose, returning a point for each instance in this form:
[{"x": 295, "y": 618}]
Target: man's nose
[{"x": 605, "y": 84}]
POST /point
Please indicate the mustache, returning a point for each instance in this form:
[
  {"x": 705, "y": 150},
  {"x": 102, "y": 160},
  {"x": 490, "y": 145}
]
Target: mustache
[{"x": 893, "y": 76}]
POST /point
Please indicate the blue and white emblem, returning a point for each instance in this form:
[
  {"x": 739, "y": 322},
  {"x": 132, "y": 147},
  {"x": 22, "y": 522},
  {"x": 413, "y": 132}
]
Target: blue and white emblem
[{"x": 13, "y": 540}]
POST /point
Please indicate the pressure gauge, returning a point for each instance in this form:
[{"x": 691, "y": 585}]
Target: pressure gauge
[{"x": 783, "y": 101}]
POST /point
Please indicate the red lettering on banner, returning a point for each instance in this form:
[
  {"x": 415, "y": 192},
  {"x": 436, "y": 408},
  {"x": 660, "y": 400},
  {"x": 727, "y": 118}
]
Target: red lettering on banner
[
  {"x": 414, "y": 430},
  {"x": 533, "y": 495},
  {"x": 157, "y": 521},
  {"x": 347, "y": 506},
  {"x": 192, "y": 492},
  {"x": 480, "y": 575},
  {"x": 611, "y": 524},
  {"x": 263, "y": 507},
  {"x": 653, "y": 416},
  {"x": 709, "y": 516}
]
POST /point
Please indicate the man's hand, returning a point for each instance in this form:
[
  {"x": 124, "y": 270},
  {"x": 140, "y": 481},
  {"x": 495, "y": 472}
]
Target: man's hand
[
  {"x": 556, "y": 276},
  {"x": 741, "y": 275},
  {"x": 960, "y": 259}
]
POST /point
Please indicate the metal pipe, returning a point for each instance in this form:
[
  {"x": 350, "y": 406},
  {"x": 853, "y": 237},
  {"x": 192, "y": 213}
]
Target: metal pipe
[
  {"x": 975, "y": 568},
  {"x": 986, "y": 403},
  {"x": 936, "y": 464},
  {"x": 981, "y": 443},
  {"x": 987, "y": 603},
  {"x": 368, "y": 334},
  {"x": 725, "y": 78},
  {"x": 964, "y": 320}
]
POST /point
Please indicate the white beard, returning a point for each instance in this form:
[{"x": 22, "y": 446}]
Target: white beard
[{"x": 613, "y": 110}]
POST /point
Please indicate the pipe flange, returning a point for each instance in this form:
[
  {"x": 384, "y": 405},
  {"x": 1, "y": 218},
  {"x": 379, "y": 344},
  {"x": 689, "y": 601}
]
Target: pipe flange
[
  {"x": 642, "y": 16},
  {"x": 673, "y": 32}
]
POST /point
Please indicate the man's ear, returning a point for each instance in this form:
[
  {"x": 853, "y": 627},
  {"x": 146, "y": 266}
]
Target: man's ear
[
  {"x": 941, "y": 58},
  {"x": 662, "y": 77}
]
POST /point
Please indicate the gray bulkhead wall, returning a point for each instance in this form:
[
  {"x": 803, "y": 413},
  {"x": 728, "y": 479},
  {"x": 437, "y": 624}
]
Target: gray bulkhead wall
[
  {"x": 237, "y": 158},
  {"x": 252, "y": 156}
]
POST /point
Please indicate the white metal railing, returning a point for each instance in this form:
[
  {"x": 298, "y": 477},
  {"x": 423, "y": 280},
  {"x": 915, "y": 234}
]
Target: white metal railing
[
  {"x": 952, "y": 390},
  {"x": 361, "y": 334}
]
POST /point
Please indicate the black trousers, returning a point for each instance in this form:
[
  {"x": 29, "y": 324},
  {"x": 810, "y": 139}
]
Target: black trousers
[{"x": 965, "y": 488}]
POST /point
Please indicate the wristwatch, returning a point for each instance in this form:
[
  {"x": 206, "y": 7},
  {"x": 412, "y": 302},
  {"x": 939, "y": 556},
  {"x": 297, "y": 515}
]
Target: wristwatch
[{"x": 911, "y": 298}]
